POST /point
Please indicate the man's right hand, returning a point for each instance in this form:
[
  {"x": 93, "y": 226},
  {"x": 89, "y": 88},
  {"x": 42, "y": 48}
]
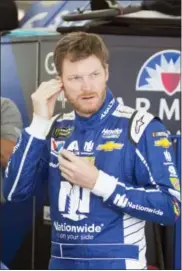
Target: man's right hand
[{"x": 44, "y": 98}]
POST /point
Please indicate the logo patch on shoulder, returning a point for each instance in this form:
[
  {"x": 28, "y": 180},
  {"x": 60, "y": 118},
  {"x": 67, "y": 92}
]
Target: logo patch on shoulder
[
  {"x": 175, "y": 183},
  {"x": 156, "y": 134},
  {"x": 139, "y": 122},
  {"x": 62, "y": 132}
]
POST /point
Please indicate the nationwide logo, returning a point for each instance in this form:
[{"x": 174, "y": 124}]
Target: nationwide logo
[
  {"x": 110, "y": 146},
  {"x": 163, "y": 142},
  {"x": 161, "y": 72},
  {"x": 88, "y": 147},
  {"x": 111, "y": 133},
  {"x": 122, "y": 201},
  {"x": 74, "y": 201},
  {"x": 168, "y": 156},
  {"x": 64, "y": 227}
]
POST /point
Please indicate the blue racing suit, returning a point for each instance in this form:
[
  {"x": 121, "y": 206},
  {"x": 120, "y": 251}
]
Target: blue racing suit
[{"x": 103, "y": 228}]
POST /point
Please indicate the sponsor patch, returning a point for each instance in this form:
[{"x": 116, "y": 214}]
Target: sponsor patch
[
  {"x": 90, "y": 159},
  {"x": 110, "y": 105},
  {"x": 139, "y": 124},
  {"x": 106, "y": 133},
  {"x": 156, "y": 134},
  {"x": 167, "y": 156},
  {"x": 123, "y": 111},
  {"x": 85, "y": 228},
  {"x": 172, "y": 171},
  {"x": 110, "y": 146},
  {"x": 56, "y": 146},
  {"x": 122, "y": 201},
  {"x": 176, "y": 208},
  {"x": 175, "y": 183},
  {"x": 88, "y": 147},
  {"x": 163, "y": 142},
  {"x": 62, "y": 132}
]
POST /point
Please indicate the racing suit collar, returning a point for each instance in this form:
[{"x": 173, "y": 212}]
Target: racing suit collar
[{"x": 100, "y": 116}]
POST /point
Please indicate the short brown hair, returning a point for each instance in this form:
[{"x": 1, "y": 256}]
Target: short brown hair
[{"x": 80, "y": 45}]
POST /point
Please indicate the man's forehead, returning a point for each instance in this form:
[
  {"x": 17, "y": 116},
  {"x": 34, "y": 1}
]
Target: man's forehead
[
  {"x": 93, "y": 59},
  {"x": 84, "y": 66}
]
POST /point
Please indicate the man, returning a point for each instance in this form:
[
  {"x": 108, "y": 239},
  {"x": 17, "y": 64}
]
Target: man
[
  {"x": 109, "y": 167},
  {"x": 11, "y": 125}
]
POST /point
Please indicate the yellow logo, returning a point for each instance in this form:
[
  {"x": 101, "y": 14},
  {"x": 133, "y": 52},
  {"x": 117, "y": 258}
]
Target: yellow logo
[
  {"x": 110, "y": 146},
  {"x": 163, "y": 142},
  {"x": 176, "y": 208},
  {"x": 175, "y": 183},
  {"x": 90, "y": 159},
  {"x": 62, "y": 132}
]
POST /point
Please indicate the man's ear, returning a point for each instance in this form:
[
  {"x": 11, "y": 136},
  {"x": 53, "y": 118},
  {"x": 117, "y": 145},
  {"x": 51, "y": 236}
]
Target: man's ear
[{"x": 58, "y": 77}]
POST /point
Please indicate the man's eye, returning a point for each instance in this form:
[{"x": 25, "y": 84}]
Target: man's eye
[
  {"x": 76, "y": 78},
  {"x": 95, "y": 74}
]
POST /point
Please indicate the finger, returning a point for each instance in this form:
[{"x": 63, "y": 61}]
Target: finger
[
  {"x": 66, "y": 171},
  {"x": 46, "y": 91},
  {"x": 50, "y": 84},
  {"x": 68, "y": 155},
  {"x": 54, "y": 84},
  {"x": 66, "y": 163},
  {"x": 50, "y": 92},
  {"x": 54, "y": 81},
  {"x": 66, "y": 177},
  {"x": 54, "y": 96}
]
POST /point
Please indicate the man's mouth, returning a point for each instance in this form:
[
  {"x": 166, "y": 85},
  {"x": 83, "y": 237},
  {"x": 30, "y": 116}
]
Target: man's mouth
[{"x": 88, "y": 97}]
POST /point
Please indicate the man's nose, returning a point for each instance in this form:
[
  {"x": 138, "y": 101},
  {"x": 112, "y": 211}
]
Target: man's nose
[{"x": 86, "y": 84}]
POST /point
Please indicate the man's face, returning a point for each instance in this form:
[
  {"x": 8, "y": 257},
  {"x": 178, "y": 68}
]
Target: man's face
[{"x": 84, "y": 84}]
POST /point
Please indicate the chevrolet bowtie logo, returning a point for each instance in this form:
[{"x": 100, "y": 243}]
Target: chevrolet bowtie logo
[
  {"x": 110, "y": 146},
  {"x": 163, "y": 142}
]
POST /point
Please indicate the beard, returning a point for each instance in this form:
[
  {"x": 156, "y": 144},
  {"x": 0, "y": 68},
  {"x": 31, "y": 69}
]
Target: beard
[{"x": 85, "y": 106}]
